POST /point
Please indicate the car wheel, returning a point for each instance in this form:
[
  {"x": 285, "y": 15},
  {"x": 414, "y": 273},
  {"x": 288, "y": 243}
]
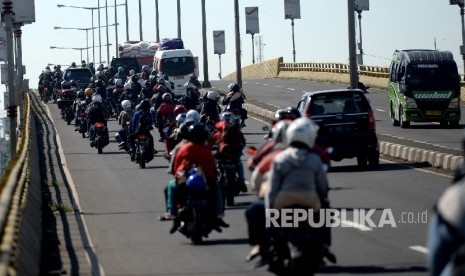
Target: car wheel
[
  {"x": 362, "y": 161},
  {"x": 403, "y": 124},
  {"x": 373, "y": 160}
]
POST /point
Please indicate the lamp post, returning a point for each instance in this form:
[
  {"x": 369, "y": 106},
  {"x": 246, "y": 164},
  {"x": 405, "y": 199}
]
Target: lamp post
[
  {"x": 87, "y": 37},
  {"x": 460, "y": 3},
  {"x": 92, "y": 14},
  {"x": 157, "y": 28},
  {"x": 238, "y": 43},
  {"x": 140, "y": 20},
  {"x": 179, "y": 18},
  {"x": 361, "y": 5},
  {"x": 73, "y": 48},
  {"x": 206, "y": 82}
]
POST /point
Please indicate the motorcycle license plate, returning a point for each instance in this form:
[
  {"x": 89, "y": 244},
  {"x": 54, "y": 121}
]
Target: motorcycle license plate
[
  {"x": 433, "y": 112},
  {"x": 179, "y": 77}
]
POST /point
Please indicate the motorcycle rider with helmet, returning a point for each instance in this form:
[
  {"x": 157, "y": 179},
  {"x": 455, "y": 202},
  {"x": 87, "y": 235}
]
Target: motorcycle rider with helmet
[
  {"x": 165, "y": 113},
  {"x": 141, "y": 123},
  {"x": 234, "y": 101},
  {"x": 95, "y": 113},
  {"x": 147, "y": 91},
  {"x": 192, "y": 154},
  {"x": 124, "y": 120},
  {"x": 210, "y": 108}
]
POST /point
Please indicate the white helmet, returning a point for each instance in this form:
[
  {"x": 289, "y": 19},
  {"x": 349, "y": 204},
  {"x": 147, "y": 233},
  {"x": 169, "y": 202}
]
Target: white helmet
[
  {"x": 213, "y": 95},
  {"x": 126, "y": 104},
  {"x": 119, "y": 82},
  {"x": 192, "y": 116},
  {"x": 278, "y": 132},
  {"x": 181, "y": 118},
  {"x": 96, "y": 98},
  {"x": 97, "y": 74},
  {"x": 302, "y": 130}
]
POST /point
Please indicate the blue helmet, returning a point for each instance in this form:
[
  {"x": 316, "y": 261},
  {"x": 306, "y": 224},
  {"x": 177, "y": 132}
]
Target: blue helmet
[
  {"x": 196, "y": 182},
  {"x": 120, "y": 69}
]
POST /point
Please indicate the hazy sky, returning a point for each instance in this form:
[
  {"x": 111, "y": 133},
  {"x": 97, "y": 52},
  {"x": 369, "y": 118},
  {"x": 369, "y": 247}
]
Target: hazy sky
[{"x": 320, "y": 34}]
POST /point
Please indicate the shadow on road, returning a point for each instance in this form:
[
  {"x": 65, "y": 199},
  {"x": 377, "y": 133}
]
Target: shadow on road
[
  {"x": 226, "y": 241},
  {"x": 357, "y": 270},
  {"x": 400, "y": 166}
]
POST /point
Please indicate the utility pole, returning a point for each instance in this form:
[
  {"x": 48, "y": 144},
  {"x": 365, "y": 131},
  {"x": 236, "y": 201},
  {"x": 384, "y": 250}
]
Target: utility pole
[
  {"x": 19, "y": 71},
  {"x": 99, "y": 33},
  {"x": 179, "y": 18},
  {"x": 140, "y": 20},
  {"x": 260, "y": 46},
  {"x": 157, "y": 25},
  {"x": 352, "y": 46},
  {"x": 108, "y": 40},
  {"x": 127, "y": 20},
  {"x": 116, "y": 30},
  {"x": 206, "y": 81},
  {"x": 238, "y": 43}
]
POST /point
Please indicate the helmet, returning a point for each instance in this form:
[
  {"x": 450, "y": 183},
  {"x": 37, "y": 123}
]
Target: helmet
[
  {"x": 166, "y": 77},
  {"x": 47, "y": 71},
  {"x": 192, "y": 76},
  {"x": 292, "y": 112},
  {"x": 144, "y": 68},
  {"x": 58, "y": 66},
  {"x": 197, "y": 133},
  {"x": 289, "y": 113},
  {"x": 73, "y": 83},
  {"x": 147, "y": 83},
  {"x": 178, "y": 109},
  {"x": 234, "y": 87},
  {"x": 65, "y": 85},
  {"x": 180, "y": 118},
  {"x": 126, "y": 104},
  {"x": 278, "y": 132},
  {"x": 120, "y": 69},
  {"x": 166, "y": 97},
  {"x": 89, "y": 91},
  {"x": 73, "y": 64},
  {"x": 145, "y": 105},
  {"x": 99, "y": 83},
  {"x": 47, "y": 67},
  {"x": 196, "y": 182},
  {"x": 81, "y": 95},
  {"x": 161, "y": 81},
  {"x": 132, "y": 72},
  {"x": 228, "y": 117},
  {"x": 192, "y": 116},
  {"x": 91, "y": 64},
  {"x": 97, "y": 74},
  {"x": 96, "y": 98},
  {"x": 213, "y": 95},
  {"x": 119, "y": 82},
  {"x": 302, "y": 130}
]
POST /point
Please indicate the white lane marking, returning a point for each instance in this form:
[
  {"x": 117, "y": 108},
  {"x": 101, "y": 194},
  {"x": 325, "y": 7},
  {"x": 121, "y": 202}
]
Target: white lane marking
[
  {"x": 417, "y": 169},
  {"x": 278, "y": 86},
  {"x": 290, "y": 89},
  {"x": 348, "y": 223},
  {"x": 419, "y": 248},
  {"x": 257, "y": 83},
  {"x": 266, "y": 84},
  {"x": 381, "y": 110}
]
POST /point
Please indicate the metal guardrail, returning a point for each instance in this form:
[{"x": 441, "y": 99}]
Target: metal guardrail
[
  {"x": 340, "y": 68},
  {"x": 13, "y": 194}
]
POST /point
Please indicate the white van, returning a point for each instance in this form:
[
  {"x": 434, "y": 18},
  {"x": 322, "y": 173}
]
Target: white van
[{"x": 178, "y": 64}]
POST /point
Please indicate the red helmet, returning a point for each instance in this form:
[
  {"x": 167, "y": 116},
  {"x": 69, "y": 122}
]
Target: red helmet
[{"x": 179, "y": 109}]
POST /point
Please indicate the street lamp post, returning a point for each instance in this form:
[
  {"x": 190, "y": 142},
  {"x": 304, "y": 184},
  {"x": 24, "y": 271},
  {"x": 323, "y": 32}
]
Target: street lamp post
[
  {"x": 206, "y": 82},
  {"x": 106, "y": 23},
  {"x": 238, "y": 43},
  {"x": 116, "y": 30},
  {"x": 140, "y": 20},
  {"x": 179, "y": 18},
  {"x": 127, "y": 20},
  {"x": 157, "y": 28}
]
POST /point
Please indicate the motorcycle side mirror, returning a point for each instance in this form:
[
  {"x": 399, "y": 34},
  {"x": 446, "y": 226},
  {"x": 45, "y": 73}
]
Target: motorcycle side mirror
[
  {"x": 265, "y": 128},
  {"x": 251, "y": 150}
]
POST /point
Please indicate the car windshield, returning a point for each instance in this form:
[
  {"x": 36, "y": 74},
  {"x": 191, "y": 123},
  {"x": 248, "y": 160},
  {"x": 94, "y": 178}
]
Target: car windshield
[
  {"x": 78, "y": 75},
  {"x": 432, "y": 73},
  {"x": 338, "y": 103},
  {"x": 177, "y": 66}
]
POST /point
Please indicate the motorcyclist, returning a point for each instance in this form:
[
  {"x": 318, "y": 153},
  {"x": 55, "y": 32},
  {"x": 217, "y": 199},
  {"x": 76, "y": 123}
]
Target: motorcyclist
[
  {"x": 95, "y": 113},
  {"x": 196, "y": 154},
  {"x": 297, "y": 176},
  {"x": 194, "y": 81},
  {"x": 192, "y": 98},
  {"x": 145, "y": 72},
  {"x": 234, "y": 101},
  {"x": 124, "y": 120},
  {"x": 83, "y": 64},
  {"x": 153, "y": 78},
  {"x": 91, "y": 67},
  {"x": 169, "y": 84},
  {"x": 120, "y": 74},
  {"x": 141, "y": 123},
  {"x": 259, "y": 182},
  {"x": 229, "y": 142},
  {"x": 147, "y": 91},
  {"x": 210, "y": 108},
  {"x": 164, "y": 114}
]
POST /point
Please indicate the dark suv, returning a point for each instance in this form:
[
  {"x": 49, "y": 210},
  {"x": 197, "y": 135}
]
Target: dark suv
[
  {"x": 346, "y": 124},
  {"x": 81, "y": 75}
]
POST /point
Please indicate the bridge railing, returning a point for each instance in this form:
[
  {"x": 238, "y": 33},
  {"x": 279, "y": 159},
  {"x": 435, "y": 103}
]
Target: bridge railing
[{"x": 339, "y": 68}]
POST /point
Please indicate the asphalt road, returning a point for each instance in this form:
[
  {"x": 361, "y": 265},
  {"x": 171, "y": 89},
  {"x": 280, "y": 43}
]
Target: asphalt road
[
  {"x": 121, "y": 204},
  {"x": 286, "y": 92}
]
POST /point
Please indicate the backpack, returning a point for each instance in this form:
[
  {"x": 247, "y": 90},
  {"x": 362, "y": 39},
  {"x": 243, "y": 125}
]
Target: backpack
[{"x": 144, "y": 122}]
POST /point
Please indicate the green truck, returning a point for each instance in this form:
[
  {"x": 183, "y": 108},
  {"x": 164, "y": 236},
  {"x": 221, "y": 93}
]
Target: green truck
[{"x": 424, "y": 86}]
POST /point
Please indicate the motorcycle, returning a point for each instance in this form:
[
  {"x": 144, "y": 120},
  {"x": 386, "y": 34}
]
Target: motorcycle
[
  {"x": 81, "y": 118},
  {"x": 295, "y": 251},
  {"x": 142, "y": 150},
  {"x": 45, "y": 94},
  {"x": 66, "y": 103},
  {"x": 99, "y": 137},
  {"x": 228, "y": 175},
  {"x": 194, "y": 216}
]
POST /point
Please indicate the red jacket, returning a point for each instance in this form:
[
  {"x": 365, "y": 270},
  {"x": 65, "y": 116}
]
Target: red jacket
[
  {"x": 165, "y": 110},
  {"x": 191, "y": 154}
]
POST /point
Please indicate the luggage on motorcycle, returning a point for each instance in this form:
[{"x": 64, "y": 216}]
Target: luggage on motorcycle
[{"x": 171, "y": 44}]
